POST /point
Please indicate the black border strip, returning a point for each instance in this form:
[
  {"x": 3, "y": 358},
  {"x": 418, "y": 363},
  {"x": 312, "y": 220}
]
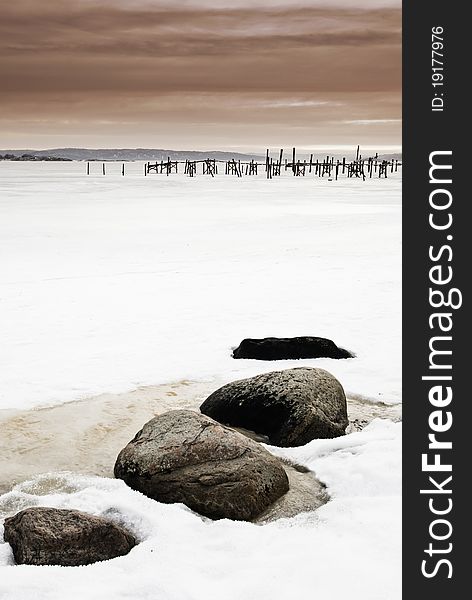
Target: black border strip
[{"x": 426, "y": 131}]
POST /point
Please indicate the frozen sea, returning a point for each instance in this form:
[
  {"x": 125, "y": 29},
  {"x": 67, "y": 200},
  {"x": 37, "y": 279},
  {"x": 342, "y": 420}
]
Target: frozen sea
[{"x": 108, "y": 284}]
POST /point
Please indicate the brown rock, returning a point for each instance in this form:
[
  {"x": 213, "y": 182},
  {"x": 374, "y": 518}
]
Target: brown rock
[
  {"x": 183, "y": 456},
  {"x": 290, "y": 407},
  {"x": 51, "y": 536}
]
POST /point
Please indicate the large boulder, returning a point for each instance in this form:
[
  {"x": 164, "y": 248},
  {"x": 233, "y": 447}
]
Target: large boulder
[
  {"x": 51, "y": 536},
  {"x": 183, "y": 456},
  {"x": 273, "y": 348},
  {"x": 290, "y": 407}
]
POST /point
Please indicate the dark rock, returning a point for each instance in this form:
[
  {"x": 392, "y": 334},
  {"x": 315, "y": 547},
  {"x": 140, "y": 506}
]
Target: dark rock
[
  {"x": 50, "y": 536},
  {"x": 290, "y": 407},
  {"x": 183, "y": 456},
  {"x": 289, "y": 348}
]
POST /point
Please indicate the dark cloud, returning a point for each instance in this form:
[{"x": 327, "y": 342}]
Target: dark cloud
[
  {"x": 183, "y": 32},
  {"x": 125, "y": 55}
]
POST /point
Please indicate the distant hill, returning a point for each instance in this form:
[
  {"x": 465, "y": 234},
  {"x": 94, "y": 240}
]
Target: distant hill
[
  {"x": 30, "y": 157},
  {"x": 152, "y": 154},
  {"x": 127, "y": 154}
]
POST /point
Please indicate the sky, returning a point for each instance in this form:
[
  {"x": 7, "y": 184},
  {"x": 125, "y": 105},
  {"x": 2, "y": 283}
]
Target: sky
[{"x": 207, "y": 74}]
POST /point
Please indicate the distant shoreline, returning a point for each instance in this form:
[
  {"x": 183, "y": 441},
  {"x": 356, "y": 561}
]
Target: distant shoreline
[
  {"x": 33, "y": 158},
  {"x": 158, "y": 154}
]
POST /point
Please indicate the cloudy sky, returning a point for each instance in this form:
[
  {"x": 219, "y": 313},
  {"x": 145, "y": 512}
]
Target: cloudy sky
[{"x": 191, "y": 74}]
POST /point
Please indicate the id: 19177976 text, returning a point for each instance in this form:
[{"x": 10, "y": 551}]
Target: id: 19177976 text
[{"x": 437, "y": 68}]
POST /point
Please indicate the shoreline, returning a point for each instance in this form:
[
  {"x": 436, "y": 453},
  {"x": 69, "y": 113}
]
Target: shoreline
[{"x": 85, "y": 436}]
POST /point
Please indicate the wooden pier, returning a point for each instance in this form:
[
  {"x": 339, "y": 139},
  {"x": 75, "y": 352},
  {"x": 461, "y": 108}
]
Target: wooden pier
[{"x": 329, "y": 167}]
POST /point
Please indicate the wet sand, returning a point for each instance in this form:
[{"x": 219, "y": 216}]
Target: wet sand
[{"x": 86, "y": 436}]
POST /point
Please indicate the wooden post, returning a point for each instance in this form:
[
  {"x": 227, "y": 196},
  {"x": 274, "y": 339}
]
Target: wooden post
[
  {"x": 103, "y": 168},
  {"x": 88, "y": 168},
  {"x": 123, "y": 169}
]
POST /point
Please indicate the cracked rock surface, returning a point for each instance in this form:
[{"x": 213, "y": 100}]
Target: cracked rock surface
[
  {"x": 183, "y": 456},
  {"x": 291, "y": 407}
]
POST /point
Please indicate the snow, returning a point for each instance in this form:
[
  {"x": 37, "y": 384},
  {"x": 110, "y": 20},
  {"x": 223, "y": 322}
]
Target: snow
[
  {"x": 349, "y": 548},
  {"x": 109, "y": 283}
]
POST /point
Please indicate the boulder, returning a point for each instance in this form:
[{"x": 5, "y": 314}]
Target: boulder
[
  {"x": 272, "y": 348},
  {"x": 183, "y": 456},
  {"x": 51, "y": 536},
  {"x": 290, "y": 407}
]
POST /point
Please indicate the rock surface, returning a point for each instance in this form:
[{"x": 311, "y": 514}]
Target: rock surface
[
  {"x": 289, "y": 348},
  {"x": 183, "y": 456},
  {"x": 51, "y": 536},
  {"x": 290, "y": 407}
]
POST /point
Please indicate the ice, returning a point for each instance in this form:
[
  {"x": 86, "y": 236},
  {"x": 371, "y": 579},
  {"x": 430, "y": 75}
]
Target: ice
[
  {"x": 109, "y": 283},
  {"x": 349, "y": 548}
]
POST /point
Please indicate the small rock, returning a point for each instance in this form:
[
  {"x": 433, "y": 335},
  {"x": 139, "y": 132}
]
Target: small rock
[
  {"x": 183, "y": 456},
  {"x": 290, "y": 407},
  {"x": 272, "y": 348},
  {"x": 51, "y": 536}
]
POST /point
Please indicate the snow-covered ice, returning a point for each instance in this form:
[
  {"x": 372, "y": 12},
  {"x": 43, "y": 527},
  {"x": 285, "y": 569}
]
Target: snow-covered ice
[
  {"x": 349, "y": 548},
  {"x": 109, "y": 283}
]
